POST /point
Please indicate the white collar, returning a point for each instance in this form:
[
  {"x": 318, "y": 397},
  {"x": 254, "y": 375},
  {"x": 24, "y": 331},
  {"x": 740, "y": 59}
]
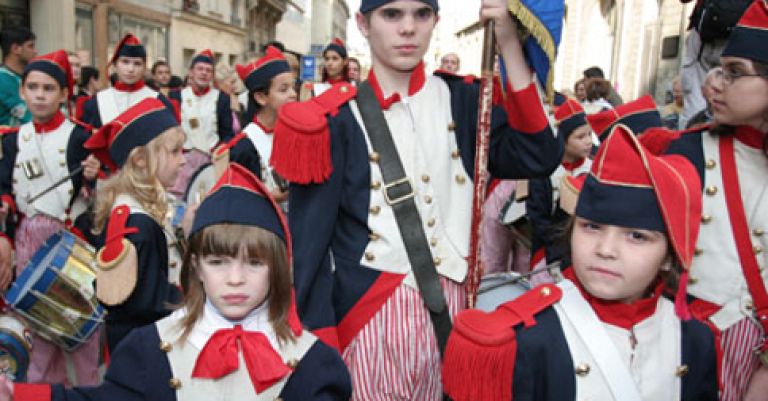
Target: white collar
[{"x": 212, "y": 320}]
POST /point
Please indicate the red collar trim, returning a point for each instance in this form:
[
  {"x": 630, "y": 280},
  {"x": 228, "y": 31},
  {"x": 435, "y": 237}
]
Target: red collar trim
[
  {"x": 199, "y": 93},
  {"x": 52, "y": 124},
  {"x": 750, "y": 136},
  {"x": 260, "y": 125},
  {"x": 121, "y": 86},
  {"x": 416, "y": 82},
  {"x": 616, "y": 313},
  {"x": 574, "y": 165}
]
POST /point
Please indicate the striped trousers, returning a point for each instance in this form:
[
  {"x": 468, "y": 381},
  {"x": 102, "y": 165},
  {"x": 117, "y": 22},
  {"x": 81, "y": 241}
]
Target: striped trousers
[
  {"x": 395, "y": 356},
  {"x": 739, "y": 361}
]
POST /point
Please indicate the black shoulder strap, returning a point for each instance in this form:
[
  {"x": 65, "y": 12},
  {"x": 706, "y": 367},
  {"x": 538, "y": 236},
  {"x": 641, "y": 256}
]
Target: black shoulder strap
[{"x": 398, "y": 192}]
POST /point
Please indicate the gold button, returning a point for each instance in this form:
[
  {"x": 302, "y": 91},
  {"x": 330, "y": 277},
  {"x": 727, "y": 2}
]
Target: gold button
[
  {"x": 425, "y": 178},
  {"x": 711, "y": 190},
  {"x": 451, "y": 126},
  {"x": 681, "y": 371},
  {"x": 428, "y": 199},
  {"x": 344, "y": 89},
  {"x": 165, "y": 346},
  {"x": 437, "y": 261},
  {"x": 370, "y": 256},
  {"x": 758, "y": 232},
  {"x": 70, "y": 191},
  {"x": 293, "y": 363},
  {"x": 174, "y": 383},
  {"x": 758, "y": 249},
  {"x": 375, "y": 185},
  {"x": 582, "y": 369},
  {"x": 433, "y": 242},
  {"x": 692, "y": 280},
  {"x": 455, "y": 154},
  {"x": 174, "y": 263},
  {"x": 279, "y": 399},
  {"x": 373, "y": 236},
  {"x": 374, "y": 157},
  {"x": 460, "y": 179},
  {"x": 61, "y": 150},
  {"x": 711, "y": 164},
  {"x": 375, "y": 210},
  {"x": 705, "y": 218},
  {"x": 119, "y": 212},
  {"x": 545, "y": 292},
  {"x": 431, "y": 222},
  {"x": 62, "y": 163},
  {"x": 698, "y": 251},
  {"x": 748, "y": 305}
]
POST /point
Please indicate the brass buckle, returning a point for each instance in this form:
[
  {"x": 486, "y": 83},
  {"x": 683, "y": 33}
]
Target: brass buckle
[{"x": 401, "y": 181}]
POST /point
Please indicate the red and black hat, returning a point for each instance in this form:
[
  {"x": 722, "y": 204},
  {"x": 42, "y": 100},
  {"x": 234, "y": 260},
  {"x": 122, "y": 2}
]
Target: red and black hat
[
  {"x": 628, "y": 186},
  {"x": 338, "y": 46},
  {"x": 205, "y": 56},
  {"x": 129, "y": 46},
  {"x": 257, "y": 75},
  {"x": 569, "y": 116},
  {"x": 749, "y": 38},
  {"x": 56, "y": 65},
  {"x": 240, "y": 198},
  {"x": 137, "y": 126},
  {"x": 370, "y": 5},
  {"x": 638, "y": 116}
]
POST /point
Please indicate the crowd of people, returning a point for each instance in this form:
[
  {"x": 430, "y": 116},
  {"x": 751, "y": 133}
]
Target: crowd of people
[{"x": 240, "y": 234}]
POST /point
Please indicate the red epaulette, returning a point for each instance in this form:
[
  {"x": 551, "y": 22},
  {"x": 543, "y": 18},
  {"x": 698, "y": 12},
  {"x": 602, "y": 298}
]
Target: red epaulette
[
  {"x": 479, "y": 359},
  {"x": 117, "y": 260},
  {"x": 301, "y": 151},
  {"x": 658, "y": 139}
]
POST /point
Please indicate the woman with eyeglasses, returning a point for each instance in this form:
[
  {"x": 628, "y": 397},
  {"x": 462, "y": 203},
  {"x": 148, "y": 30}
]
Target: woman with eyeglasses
[{"x": 729, "y": 274}]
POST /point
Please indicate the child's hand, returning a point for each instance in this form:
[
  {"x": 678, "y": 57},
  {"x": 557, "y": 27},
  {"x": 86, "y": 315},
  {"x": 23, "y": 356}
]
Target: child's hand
[
  {"x": 6, "y": 389},
  {"x": 91, "y": 167},
  {"x": 6, "y": 267},
  {"x": 280, "y": 196},
  {"x": 505, "y": 25}
]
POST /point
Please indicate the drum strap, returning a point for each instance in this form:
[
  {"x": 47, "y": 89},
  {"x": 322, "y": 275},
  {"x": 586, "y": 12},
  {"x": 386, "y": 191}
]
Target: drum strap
[
  {"x": 596, "y": 339},
  {"x": 398, "y": 192}
]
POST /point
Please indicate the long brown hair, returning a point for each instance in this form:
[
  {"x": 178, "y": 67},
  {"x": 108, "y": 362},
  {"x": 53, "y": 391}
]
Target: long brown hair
[{"x": 229, "y": 240}]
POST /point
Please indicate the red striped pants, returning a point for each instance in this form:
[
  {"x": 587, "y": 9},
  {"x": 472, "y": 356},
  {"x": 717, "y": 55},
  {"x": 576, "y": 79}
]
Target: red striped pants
[
  {"x": 395, "y": 355},
  {"x": 739, "y": 361}
]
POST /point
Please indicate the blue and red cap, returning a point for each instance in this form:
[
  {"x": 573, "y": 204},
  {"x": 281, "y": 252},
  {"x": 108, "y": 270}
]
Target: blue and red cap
[
  {"x": 749, "y": 38},
  {"x": 56, "y": 65},
  {"x": 638, "y": 115},
  {"x": 240, "y": 198},
  {"x": 205, "y": 56},
  {"x": 135, "y": 127},
  {"x": 569, "y": 116},
  {"x": 258, "y": 74},
  {"x": 628, "y": 186},
  {"x": 369, "y": 5},
  {"x": 338, "y": 46},
  {"x": 129, "y": 46}
]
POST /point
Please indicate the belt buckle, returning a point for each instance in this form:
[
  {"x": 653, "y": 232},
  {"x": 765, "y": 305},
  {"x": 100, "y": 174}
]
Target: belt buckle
[{"x": 399, "y": 199}]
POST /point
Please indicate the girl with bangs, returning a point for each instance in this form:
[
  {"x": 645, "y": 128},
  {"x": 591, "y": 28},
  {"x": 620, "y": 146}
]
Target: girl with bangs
[
  {"x": 236, "y": 336},
  {"x": 137, "y": 258}
]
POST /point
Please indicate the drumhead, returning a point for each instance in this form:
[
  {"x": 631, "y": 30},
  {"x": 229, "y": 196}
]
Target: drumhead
[
  {"x": 200, "y": 184},
  {"x": 498, "y": 288}
]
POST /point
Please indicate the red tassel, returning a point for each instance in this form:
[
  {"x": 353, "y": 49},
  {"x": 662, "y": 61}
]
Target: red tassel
[
  {"x": 301, "y": 151},
  {"x": 681, "y": 305},
  {"x": 657, "y": 140},
  {"x": 475, "y": 371}
]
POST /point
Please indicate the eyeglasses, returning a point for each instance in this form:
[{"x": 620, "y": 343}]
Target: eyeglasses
[{"x": 729, "y": 76}]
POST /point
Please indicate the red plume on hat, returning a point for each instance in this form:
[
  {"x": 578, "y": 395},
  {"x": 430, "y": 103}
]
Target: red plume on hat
[
  {"x": 205, "y": 56},
  {"x": 339, "y": 42},
  {"x": 130, "y": 46},
  {"x": 55, "y": 64}
]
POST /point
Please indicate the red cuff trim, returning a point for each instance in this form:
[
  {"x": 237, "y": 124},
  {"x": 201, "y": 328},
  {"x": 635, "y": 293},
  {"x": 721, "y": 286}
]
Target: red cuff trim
[
  {"x": 525, "y": 112},
  {"x": 10, "y": 201},
  {"x": 328, "y": 336},
  {"x": 31, "y": 392}
]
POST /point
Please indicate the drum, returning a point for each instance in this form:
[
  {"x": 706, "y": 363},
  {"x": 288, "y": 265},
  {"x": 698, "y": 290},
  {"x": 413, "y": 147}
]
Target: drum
[
  {"x": 498, "y": 288},
  {"x": 55, "y": 292},
  {"x": 200, "y": 184},
  {"x": 15, "y": 346}
]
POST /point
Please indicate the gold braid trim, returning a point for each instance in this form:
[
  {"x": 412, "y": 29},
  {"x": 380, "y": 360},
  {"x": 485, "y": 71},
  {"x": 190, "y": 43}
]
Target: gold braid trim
[{"x": 533, "y": 24}]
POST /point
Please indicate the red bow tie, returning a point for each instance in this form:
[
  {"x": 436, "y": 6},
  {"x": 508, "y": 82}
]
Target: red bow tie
[{"x": 219, "y": 358}]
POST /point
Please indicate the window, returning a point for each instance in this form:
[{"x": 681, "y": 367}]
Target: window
[{"x": 84, "y": 34}]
